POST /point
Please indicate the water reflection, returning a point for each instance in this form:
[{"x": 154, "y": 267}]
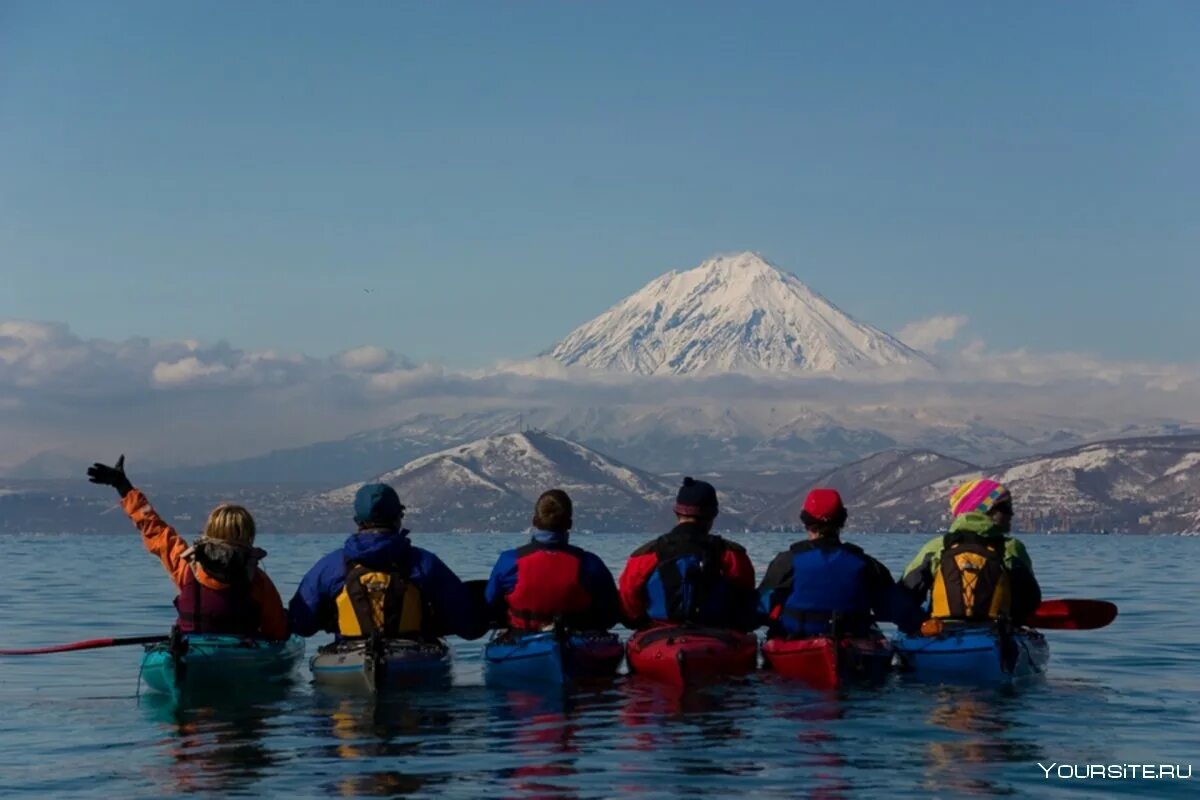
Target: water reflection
[
  {"x": 983, "y": 732},
  {"x": 359, "y": 727},
  {"x": 688, "y": 732},
  {"x": 538, "y": 727},
  {"x": 214, "y": 748}
]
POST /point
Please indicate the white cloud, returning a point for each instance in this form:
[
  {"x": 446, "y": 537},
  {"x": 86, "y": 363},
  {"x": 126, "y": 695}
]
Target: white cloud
[
  {"x": 185, "y": 371},
  {"x": 926, "y": 334},
  {"x": 188, "y": 401}
]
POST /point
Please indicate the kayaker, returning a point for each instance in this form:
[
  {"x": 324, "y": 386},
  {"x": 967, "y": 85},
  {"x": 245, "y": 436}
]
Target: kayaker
[
  {"x": 378, "y": 582},
  {"x": 689, "y": 574},
  {"x": 823, "y": 583},
  {"x": 549, "y": 580},
  {"x": 976, "y": 571},
  {"x": 222, "y": 588}
]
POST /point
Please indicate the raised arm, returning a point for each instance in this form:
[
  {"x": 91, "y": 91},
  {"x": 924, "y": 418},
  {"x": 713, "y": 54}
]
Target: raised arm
[{"x": 159, "y": 538}]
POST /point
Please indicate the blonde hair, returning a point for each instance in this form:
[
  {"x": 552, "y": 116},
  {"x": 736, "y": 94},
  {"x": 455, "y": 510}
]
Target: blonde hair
[{"x": 230, "y": 523}]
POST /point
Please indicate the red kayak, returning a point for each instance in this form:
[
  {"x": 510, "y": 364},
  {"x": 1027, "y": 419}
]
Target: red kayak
[
  {"x": 825, "y": 663},
  {"x": 684, "y": 655}
]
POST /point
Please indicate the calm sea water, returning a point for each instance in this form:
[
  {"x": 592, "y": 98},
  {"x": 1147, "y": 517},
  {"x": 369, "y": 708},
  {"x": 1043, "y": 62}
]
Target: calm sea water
[{"x": 71, "y": 724}]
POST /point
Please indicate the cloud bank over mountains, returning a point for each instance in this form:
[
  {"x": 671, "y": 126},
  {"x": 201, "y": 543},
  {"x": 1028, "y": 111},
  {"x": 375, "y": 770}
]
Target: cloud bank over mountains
[
  {"x": 187, "y": 402},
  {"x": 736, "y": 335}
]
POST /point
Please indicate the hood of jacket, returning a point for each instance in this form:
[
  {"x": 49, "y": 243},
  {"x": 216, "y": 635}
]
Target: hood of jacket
[
  {"x": 978, "y": 523},
  {"x": 378, "y": 548},
  {"x": 224, "y": 561}
]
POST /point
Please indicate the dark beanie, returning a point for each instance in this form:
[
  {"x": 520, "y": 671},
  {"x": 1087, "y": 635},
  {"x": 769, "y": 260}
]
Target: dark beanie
[
  {"x": 696, "y": 499},
  {"x": 377, "y": 505}
]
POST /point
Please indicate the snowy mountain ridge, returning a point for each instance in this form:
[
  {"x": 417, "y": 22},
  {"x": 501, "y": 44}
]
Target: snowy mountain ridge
[{"x": 733, "y": 313}]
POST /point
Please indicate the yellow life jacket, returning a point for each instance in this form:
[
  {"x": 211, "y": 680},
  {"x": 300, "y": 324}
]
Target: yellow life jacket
[
  {"x": 376, "y": 601},
  {"x": 972, "y": 581}
]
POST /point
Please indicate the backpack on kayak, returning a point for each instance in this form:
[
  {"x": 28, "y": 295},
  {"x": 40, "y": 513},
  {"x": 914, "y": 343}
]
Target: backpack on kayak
[
  {"x": 379, "y": 602},
  {"x": 972, "y": 582}
]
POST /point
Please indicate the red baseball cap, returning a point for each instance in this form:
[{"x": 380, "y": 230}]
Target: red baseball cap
[{"x": 824, "y": 505}]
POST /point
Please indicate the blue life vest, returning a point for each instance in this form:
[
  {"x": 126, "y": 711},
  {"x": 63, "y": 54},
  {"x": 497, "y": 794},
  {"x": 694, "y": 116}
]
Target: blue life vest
[{"x": 832, "y": 584}]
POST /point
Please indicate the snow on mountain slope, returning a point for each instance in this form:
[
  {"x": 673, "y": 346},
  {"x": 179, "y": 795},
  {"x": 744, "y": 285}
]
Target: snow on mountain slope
[
  {"x": 735, "y": 313},
  {"x": 1136, "y": 484},
  {"x": 492, "y": 484},
  {"x": 1149, "y": 484},
  {"x": 880, "y": 480}
]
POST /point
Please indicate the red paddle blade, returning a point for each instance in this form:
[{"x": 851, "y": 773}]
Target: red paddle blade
[{"x": 1073, "y": 615}]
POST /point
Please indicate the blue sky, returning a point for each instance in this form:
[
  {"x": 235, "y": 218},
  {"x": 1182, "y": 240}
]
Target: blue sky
[{"x": 496, "y": 173}]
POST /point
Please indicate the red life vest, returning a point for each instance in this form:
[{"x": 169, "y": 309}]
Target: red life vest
[
  {"x": 203, "y": 610},
  {"x": 548, "y": 586}
]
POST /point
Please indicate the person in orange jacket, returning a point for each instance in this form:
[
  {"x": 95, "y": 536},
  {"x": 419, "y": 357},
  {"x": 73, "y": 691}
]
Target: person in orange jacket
[{"x": 222, "y": 589}]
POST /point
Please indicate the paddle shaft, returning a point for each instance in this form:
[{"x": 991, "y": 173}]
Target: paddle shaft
[{"x": 89, "y": 644}]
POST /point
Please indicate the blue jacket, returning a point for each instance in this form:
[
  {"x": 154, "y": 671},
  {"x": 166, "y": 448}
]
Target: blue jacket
[
  {"x": 313, "y": 606},
  {"x": 595, "y": 579},
  {"x": 813, "y": 579}
]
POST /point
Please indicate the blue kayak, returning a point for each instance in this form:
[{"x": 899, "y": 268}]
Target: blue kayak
[
  {"x": 972, "y": 654},
  {"x": 381, "y": 665},
  {"x": 211, "y": 663},
  {"x": 551, "y": 658}
]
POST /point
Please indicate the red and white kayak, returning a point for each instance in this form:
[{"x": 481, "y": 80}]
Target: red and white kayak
[
  {"x": 824, "y": 662},
  {"x": 684, "y": 655}
]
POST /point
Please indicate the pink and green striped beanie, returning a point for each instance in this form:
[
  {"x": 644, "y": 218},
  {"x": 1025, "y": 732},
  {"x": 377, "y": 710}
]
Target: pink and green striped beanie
[{"x": 980, "y": 496}]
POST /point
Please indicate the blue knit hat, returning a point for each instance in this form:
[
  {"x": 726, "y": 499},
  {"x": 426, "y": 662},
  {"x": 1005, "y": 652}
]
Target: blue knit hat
[
  {"x": 377, "y": 504},
  {"x": 696, "y": 499}
]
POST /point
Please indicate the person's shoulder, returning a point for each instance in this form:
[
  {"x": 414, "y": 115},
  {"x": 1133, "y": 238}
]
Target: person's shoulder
[
  {"x": 591, "y": 560},
  {"x": 507, "y": 559},
  {"x": 424, "y": 557},
  {"x": 728, "y": 544},
  {"x": 935, "y": 543},
  {"x": 1015, "y": 547},
  {"x": 648, "y": 548},
  {"x": 334, "y": 559}
]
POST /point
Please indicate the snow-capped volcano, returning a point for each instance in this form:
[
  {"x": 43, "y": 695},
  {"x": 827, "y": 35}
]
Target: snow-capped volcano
[{"x": 735, "y": 313}]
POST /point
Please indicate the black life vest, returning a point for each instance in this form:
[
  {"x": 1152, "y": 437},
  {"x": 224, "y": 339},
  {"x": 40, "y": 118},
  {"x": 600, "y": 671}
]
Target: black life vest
[
  {"x": 687, "y": 584},
  {"x": 972, "y": 581}
]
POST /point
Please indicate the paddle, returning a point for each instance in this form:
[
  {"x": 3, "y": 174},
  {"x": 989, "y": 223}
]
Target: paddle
[
  {"x": 1073, "y": 615},
  {"x": 89, "y": 644}
]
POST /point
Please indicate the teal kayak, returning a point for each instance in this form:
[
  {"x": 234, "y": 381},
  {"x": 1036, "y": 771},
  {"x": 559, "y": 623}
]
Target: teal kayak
[
  {"x": 972, "y": 654},
  {"x": 381, "y": 664},
  {"x": 218, "y": 663}
]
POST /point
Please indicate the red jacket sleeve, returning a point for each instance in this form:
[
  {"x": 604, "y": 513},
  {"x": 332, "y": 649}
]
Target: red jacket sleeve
[
  {"x": 633, "y": 583},
  {"x": 736, "y": 566}
]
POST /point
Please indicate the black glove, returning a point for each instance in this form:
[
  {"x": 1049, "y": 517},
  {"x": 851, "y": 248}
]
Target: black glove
[{"x": 111, "y": 476}]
